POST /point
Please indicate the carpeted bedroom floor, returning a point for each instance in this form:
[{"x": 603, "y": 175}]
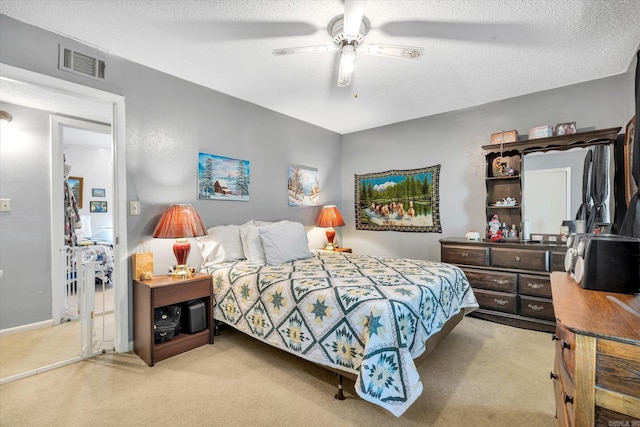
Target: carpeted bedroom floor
[{"x": 482, "y": 374}]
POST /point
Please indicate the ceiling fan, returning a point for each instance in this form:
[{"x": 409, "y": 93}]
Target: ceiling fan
[{"x": 348, "y": 33}]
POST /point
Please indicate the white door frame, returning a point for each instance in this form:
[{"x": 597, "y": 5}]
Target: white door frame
[
  {"x": 117, "y": 102},
  {"x": 57, "y": 204}
]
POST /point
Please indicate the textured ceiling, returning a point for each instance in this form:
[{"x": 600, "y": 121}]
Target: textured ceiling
[{"x": 475, "y": 51}]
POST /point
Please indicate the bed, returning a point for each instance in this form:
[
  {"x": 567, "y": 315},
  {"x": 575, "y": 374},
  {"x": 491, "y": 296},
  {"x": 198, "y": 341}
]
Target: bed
[{"x": 363, "y": 316}]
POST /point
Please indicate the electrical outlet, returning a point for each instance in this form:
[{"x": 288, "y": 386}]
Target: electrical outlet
[
  {"x": 5, "y": 205},
  {"x": 135, "y": 208}
]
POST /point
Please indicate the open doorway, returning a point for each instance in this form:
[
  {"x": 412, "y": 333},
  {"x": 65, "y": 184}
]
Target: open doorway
[{"x": 27, "y": 284}]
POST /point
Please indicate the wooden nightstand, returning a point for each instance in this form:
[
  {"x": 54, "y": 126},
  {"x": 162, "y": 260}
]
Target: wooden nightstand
[
  {"x": 336, "y": 250},
  {"x": 159, "y": 292}
]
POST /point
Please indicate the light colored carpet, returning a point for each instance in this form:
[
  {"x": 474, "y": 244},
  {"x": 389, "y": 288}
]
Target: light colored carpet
[
  {"x": 36, "y": 348},
  {"x": 482, "y": 374}
]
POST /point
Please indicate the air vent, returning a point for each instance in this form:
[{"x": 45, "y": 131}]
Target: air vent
[{"x": 79, "y": 63}]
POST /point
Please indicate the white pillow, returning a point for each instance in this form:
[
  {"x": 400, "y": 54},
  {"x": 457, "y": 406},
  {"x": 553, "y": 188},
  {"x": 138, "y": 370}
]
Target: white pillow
[
  {"x": 83, "y": 229},
  {"x": 221, "y": 244},
  {"x": 284, "y": 242},
  {"x": 251, "y": 243}
]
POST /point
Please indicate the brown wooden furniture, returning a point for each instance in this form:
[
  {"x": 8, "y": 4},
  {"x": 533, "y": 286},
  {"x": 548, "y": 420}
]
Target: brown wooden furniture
[
  {"x": 597, "y": 365},
  {"x": 503, "y": 186},
  {"x": 343, "y": 250},
  {"x": 339, "y": 250},
  {"x": 159, "y": 292},
  {"x": 510, "y": 279}
]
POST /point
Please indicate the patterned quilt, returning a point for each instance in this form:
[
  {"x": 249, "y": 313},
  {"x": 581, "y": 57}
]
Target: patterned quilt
[
  {"x": 100, "y": 252},
  {"x": 363, "y": 314}
]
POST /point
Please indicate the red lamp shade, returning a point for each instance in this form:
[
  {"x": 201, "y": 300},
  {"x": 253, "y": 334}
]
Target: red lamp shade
[
  {"x": 328, "y": 218},
  {"x": 180, "y": 222}
]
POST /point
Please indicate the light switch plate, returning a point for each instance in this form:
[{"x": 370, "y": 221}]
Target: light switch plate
[
  {"x": 134, "y": 208},
  {"x": 5, "y": 205}
]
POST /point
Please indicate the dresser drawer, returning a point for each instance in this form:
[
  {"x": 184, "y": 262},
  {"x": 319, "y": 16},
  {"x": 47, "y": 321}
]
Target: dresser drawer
[
  {"x": 557, "y": 260},
  {"x": 498, "y": 301},
  {"x": 492, "y": 280},
  {"x": 521, "y": 259},
  {"x": 567, "y": 391},
  {"x": 537, "y": 286},
  {"x": 465, "y": 255},
  {"x": 565, "y": 347},
  {"x": 540, "y": 308},
  {"x": 561, "y": 408}
]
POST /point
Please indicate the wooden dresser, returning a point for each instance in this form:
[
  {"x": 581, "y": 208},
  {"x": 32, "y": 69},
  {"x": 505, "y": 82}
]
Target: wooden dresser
[
  {"x": 597, "y": 365},
  {"x": 510, "y": 279}
]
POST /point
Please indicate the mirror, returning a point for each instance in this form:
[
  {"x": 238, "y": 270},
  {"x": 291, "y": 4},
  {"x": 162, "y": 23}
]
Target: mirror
[{"x": 552, "y": 188}]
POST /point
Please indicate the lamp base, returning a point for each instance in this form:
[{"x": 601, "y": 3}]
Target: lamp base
[
  {"x": 331, "y": 235},
  {"x": 329, "y": 247},
  {"x": 181, "y": 271}
]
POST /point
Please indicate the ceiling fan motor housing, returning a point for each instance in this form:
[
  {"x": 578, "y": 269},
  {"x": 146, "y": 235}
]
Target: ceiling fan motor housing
[{"x": 336, "y": 30}]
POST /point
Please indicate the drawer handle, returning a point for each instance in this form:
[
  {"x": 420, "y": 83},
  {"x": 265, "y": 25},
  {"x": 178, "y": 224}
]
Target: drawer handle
[
  {"x": 553, "y": 376},
  {"x": 162, "y": 334},
  {"x": 567, "y": 398},
  {"x": 465, "y": 254},
  {"x": 517, "y": 258},
  {"x": 535, "y": 285},
  {"x": 535, "y": 307},
  {"x": 566, "y": 345},
  {"x": 501, "y": 301},
  {"x": 554, "y": 337},
  {"x": 501, "y": 281}
]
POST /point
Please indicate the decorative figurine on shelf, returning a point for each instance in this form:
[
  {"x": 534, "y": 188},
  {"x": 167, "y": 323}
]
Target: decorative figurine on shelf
[
  {"x": 513, "y": 233},
  {"x": 494, "y": 227}
]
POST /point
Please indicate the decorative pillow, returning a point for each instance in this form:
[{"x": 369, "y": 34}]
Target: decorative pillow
[
  {"x": 221, "y": 244},
  {"x": 284, "y": 242}
]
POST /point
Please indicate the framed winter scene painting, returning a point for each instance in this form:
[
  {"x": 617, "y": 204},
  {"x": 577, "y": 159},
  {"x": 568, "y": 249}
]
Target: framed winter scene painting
[
  {"x": 222, "y": 178},
  {"x": 303, "y": 186},
  {"x": 399, "y": 200}
]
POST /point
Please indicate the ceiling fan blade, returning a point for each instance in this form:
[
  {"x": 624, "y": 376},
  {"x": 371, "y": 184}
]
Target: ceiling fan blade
[
  {"x": 303, "y": 49},
  {"x": 353, "y": 12},
  {"x": 408, "y": 52},
  {"x": 476, "y": 32},
  {"x": 347, "y": 65}
]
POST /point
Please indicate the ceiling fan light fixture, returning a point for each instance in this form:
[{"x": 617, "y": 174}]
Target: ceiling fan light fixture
[{"x": 347, "y": 65}]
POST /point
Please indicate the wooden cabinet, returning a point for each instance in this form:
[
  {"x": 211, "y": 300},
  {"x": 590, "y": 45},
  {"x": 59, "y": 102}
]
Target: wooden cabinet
[
  {"x": 596, "y": 372},
  {"x": 510, "y": 279},
  {"x": 505, "y": 166},
  {"x": 159, "y": 292}
]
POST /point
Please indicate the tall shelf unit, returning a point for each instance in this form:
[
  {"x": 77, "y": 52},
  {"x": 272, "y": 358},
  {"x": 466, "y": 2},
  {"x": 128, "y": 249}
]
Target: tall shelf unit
[{"x": 503, "y": 186}]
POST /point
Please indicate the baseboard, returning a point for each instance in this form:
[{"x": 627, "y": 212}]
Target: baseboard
[{"x": 24, "y": 328}]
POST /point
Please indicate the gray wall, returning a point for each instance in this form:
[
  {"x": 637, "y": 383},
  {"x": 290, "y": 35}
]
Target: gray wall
[
  {"x": 454, "y": 140},
  {"x": 168, "y": 121},
  {"x": 25, "y": 242}
]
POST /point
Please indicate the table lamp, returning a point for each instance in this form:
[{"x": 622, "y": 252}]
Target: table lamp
[
  {"x": 328, "y": 218},
  {"x": 180, "y": 222}
]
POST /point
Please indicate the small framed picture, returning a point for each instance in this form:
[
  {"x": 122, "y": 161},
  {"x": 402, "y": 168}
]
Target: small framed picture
[
  {"x": 75, "y": 183},
  {"x": 98, "y": 192},
  {"x": 96, "y": 206},
  {"x": 601, "y": 228},
  {"x": 565, "y": 129}
]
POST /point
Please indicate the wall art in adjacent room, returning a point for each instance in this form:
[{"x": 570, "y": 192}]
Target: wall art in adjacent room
[{"x": 96, "y": 206}]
